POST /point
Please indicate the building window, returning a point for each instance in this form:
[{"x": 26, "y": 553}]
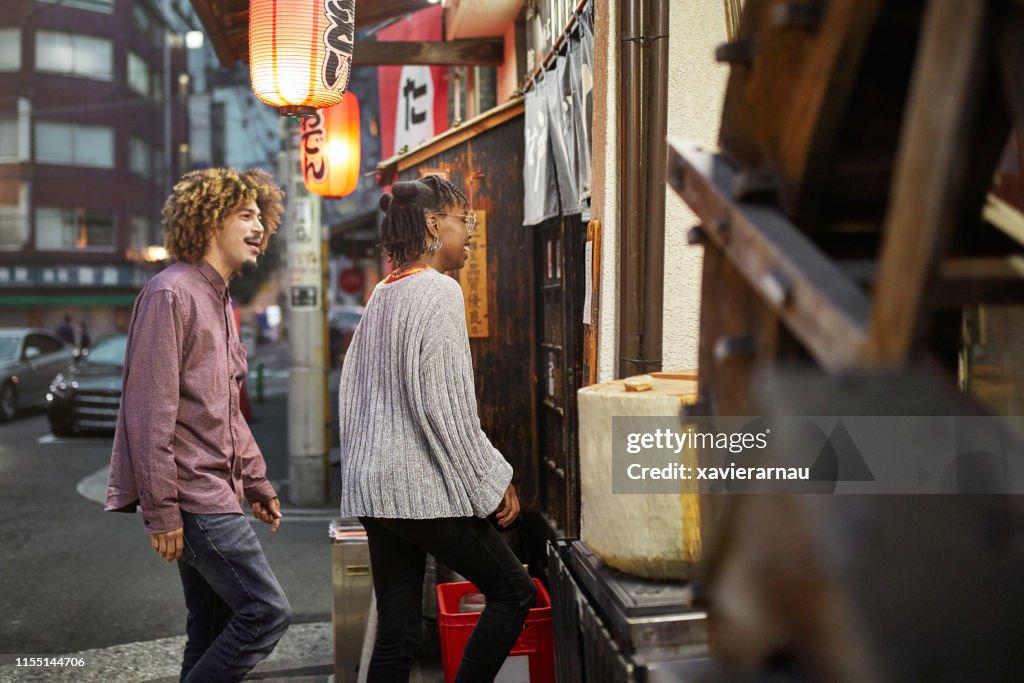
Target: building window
[
  {"x": 61, "y": 229},
  {"x": 10, "y": 49},
  {"x": 69, "y": 53},
  {"x": 142, "y": 237},
  {"x": 8, "y": 140},
  {"x": 12, "y": 227},
  {"x": 139, "y": 77},
  {"x": 74, "y": 144},
  {"x": 140, "y": 157},
  {"x": 144, "y": 79},
  {"x": 146, "y": 25}
]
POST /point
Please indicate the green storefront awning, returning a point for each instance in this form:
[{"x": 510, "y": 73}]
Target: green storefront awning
[{"x": 109, "y": 300}]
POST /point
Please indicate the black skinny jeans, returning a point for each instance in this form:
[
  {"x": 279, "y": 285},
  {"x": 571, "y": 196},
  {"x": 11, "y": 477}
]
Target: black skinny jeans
[{"x": 471, "y": 547}]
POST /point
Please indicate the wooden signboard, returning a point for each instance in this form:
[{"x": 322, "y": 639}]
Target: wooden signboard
[{"x": 473, "y": 278}]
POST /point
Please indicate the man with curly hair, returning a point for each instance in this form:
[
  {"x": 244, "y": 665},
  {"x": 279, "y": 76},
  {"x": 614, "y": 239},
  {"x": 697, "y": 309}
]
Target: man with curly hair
[{"x": 182, "y": 451}]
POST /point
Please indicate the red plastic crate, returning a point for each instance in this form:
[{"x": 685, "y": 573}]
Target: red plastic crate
[{"x": 536, "y": 640}]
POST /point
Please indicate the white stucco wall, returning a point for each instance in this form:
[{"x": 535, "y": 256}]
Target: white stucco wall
[
  {"x": 696, "y": 88},
  {"x": 605, "y": 181}
]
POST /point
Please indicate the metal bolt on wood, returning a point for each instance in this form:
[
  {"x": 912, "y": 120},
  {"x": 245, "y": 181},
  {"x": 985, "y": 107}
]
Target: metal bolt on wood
[
  {"x": 736, "y": 53},
  {"x": 730, "y": 347},
  {"x": 696, "y": 236},
  {"x": 776, "y": 288},
  {"x": 756, "y": 186},
  {"x": 802, "y": 15}
]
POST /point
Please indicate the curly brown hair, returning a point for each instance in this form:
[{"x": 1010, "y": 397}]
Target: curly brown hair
[{"x": 202, "y": 200}]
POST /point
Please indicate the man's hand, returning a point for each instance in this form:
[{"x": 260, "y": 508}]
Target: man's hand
[
  {"x": 269, "y": 512},
  {"x": 508, "y": 509},
  {"x": 169, "y": 544}
]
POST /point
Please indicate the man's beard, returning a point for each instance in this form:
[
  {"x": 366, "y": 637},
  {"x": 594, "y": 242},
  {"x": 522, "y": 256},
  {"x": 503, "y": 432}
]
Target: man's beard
[{"x": 249, "y": 266}]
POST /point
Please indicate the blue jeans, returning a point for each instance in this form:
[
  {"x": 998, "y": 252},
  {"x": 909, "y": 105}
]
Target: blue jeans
[
  {"x": 236, "y": 609},
  {"x": 471, "y": 547}
]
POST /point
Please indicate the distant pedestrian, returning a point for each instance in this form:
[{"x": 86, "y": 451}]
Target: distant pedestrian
[
  {"x": 65, "y": 331},
  {"x": 84, "y": 341},
  {"x": 182, "y": 450},
  {"x": 417, "y": 469}
]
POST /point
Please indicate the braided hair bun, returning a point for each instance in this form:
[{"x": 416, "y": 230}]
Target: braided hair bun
[{"x": 405, "y": 191}]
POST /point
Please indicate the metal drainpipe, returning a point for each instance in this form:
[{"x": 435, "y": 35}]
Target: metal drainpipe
[
  {"x": 642, "y": 199},
  {"x": 656, "y": 90},
  {"x": 631, "y": 241}
]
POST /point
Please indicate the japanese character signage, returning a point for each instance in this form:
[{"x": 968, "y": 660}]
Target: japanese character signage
[
  {"x": 413, "y": 98},
  {"x": 473, "y": 278},
  {"x": 304, "y": 255}
]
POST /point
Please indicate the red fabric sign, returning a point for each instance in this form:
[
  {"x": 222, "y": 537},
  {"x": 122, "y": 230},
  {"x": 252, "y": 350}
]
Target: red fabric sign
[{"x": 413, "y": 98}]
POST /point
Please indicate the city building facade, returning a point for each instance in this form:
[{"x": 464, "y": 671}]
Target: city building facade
[{"x": 93, "y": 130}]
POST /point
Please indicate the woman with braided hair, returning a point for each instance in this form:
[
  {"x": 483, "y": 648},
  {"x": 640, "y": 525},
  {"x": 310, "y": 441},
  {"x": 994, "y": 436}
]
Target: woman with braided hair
[{"x": 416, "y": 467}]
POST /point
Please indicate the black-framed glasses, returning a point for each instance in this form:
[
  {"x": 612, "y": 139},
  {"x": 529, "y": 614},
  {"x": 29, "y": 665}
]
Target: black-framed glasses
[{"x": 469, "y": 218}]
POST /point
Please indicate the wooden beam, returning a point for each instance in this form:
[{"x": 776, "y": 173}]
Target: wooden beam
[
  {"x": 379, "y": 11},
  {"x": 928, "y": 184},
  {"x": 478, "y": 52},
  {"x": 959, "y": 281},
  {"x": 819, "y": 303},
  {"x": 785, "y": 108}
]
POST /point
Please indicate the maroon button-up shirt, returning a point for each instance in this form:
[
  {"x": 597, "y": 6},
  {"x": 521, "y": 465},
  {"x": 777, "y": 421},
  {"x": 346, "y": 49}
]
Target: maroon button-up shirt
[{"x": 181, "y": 441}]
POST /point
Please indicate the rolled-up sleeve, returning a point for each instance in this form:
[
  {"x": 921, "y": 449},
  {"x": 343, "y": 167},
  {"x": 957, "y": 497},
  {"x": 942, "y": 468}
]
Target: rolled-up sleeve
[
  {"x": 450, "y": 406},
  {"x": 150, "y": 405}
]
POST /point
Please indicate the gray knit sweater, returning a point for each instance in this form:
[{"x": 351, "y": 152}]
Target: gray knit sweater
[{"x": 411, "y": 442}]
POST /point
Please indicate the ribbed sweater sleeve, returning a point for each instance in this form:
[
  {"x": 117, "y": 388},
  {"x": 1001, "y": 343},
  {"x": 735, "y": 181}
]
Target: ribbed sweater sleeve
[{"x": 449, "y": 401}]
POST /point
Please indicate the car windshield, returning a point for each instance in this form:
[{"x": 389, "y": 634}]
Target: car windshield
[
  {"x": 109, "y": 351},
  {"x": 347, "y": 318},
  {"x": 8, "y": 347}
]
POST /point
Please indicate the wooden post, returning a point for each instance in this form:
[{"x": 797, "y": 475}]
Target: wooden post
[{"x": 591, "y": 306}]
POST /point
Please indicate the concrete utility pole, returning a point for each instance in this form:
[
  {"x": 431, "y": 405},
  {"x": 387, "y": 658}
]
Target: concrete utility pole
[{"x": 308, "y": 463}]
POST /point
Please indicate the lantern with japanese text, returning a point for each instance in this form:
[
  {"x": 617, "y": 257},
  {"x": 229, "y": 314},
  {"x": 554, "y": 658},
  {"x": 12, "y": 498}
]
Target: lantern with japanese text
[
  {"x": 330, "y": 149},
  {"x": 300, "y": 52}
]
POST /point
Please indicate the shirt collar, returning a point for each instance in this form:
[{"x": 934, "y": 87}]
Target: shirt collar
[{"x": 214, "y": 278}]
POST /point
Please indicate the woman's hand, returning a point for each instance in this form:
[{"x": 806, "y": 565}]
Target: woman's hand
[{"x": 508, "y": 509}]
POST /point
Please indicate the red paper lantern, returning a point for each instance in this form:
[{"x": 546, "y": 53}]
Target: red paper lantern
[
  {"x": 330, "y": 149},
  {"x": 300, "y": 52}
]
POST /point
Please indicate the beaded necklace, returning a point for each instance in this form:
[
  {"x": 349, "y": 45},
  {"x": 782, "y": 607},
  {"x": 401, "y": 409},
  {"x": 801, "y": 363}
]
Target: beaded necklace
[{"x": 405, "y": 271}]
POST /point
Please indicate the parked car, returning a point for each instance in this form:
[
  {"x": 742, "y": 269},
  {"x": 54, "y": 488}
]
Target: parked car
[
  {"x": 341, "y": 325},
  {"x": 85, "y": 396},
  {"x": 28, "y": 360}
]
